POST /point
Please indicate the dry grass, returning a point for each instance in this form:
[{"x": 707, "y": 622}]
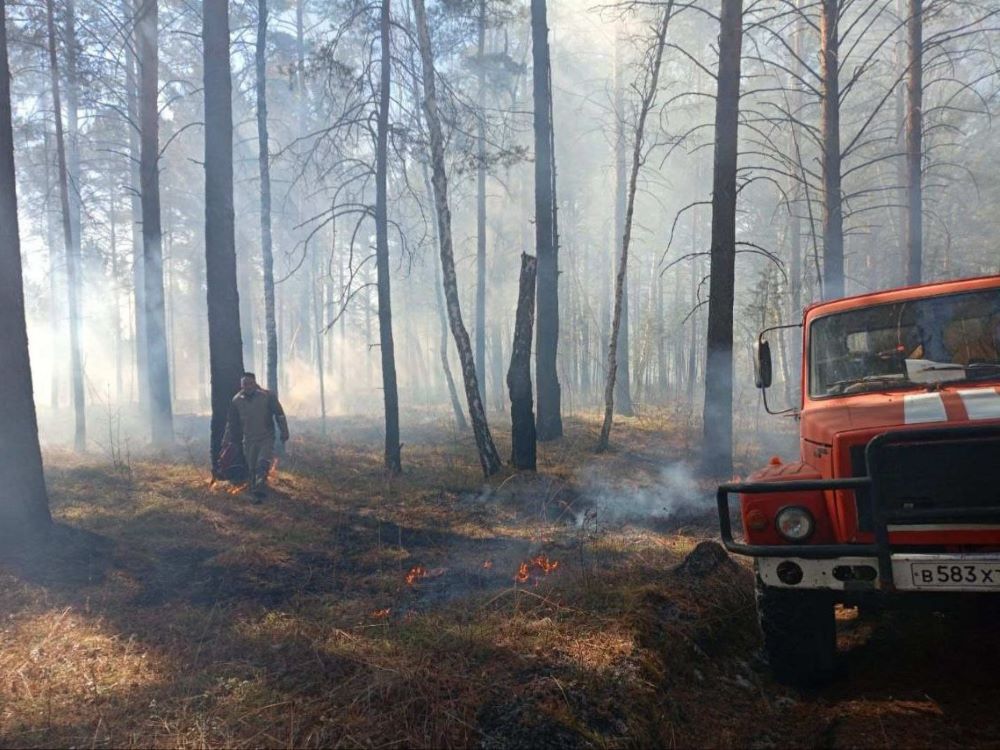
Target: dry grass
[{"x": 168, "y": 612}]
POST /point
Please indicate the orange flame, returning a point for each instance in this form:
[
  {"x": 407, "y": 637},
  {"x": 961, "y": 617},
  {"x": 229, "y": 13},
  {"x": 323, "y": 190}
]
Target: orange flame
[
  {"x": 272, "y": 473},
  {"x": 523, "y": 573},
  {"x": 544, "y": 564},
  {"x": 540, "y": 564},
  {"x": 381, "y": 614},
  {"x": 415, "y": 574}
]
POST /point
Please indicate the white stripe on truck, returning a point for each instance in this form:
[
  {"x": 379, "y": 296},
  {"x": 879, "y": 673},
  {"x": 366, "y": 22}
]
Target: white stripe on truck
[
  {"x": 981, "y": 403},
  {"x": 923, "y": 407}
]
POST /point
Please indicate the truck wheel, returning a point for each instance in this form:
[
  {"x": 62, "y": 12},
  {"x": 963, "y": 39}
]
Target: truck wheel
[{"x": 800, "y": 637}]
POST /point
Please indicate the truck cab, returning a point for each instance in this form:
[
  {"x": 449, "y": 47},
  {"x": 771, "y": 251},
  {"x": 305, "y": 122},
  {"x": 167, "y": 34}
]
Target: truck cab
[{"x": 895, "y": 493}]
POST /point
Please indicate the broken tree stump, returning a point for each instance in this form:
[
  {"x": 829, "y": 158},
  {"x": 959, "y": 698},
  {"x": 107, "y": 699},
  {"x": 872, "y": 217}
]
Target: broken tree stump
[{"x": 523, "y": 450}]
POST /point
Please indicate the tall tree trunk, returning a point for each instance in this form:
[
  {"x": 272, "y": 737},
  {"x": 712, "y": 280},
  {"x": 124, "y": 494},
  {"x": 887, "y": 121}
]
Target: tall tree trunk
[
  {"x": 795, "y": 190},
  {"x": 71, "y": 245},
  {"x": 319, "y": 305},
  {"x": 55, "y": 312},
  {"x": 24, "y": 503},
  {"x": 115, "y": 283},
  {"x": 456, "y": 405},
  {"x": 481, "y": 203},
  {"x": 160, "y": 410},
  {"x": 914, "y": 143},
  {"x": 523, "y": 450},
  {"x": 549, "y": 414},
  {"x": 489, "y": 459},
  {"x": 225, "y": 345},
  {"x": 717, "y": 448},
  {"x": 390, "y": 393},
  {"x": 623, "y": 385},
  {"x": 135, "y": 201},
  {"x": 833, "y": 209},
  {"x": 638, "y": 156},
  {"x": 266, "y": 247}
]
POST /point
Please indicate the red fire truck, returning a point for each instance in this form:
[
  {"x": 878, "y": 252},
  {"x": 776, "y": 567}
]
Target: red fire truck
[{"x": 895, "y": 494}]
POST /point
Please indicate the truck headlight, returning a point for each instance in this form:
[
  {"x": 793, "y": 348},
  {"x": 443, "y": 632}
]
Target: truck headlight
[{"x": 795, "y": 524}]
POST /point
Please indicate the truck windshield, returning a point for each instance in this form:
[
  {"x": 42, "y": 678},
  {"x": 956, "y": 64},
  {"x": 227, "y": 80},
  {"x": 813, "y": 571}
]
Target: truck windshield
[{"x": 906, "y": 344}]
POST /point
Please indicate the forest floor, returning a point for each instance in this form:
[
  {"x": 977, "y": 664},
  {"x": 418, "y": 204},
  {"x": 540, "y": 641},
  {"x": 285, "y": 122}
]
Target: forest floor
[{"x": 572, "y": 608}]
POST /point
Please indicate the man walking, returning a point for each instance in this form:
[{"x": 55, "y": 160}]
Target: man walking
[{"x": 252, "y": 417}]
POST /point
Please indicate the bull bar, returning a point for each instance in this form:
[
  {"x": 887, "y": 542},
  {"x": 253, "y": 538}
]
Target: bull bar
[{"x": 883, "y": 517}]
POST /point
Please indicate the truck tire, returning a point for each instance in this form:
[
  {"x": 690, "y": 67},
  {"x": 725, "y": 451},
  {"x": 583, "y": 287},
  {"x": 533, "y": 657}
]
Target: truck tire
[{"x": 800, "y": 636}]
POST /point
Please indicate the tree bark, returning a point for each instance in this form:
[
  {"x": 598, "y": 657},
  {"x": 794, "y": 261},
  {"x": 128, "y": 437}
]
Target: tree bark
[
  {"x": 225, "y": 345},
  {"x": 24, "y": 503},
  {"x": 55, "y": 312},
  {"x": 914, "y": 143},
  {"x": 549, "y": 416},
  {"x": 264, "y": 161},
  {"x": 390, "y": 393},
  {"x": 135, "y": 201},
  {"x": 523, "y": 451},
  {"x": 717, "y": 447},
  {"x": 833, "y": 209},
  {"x": 489, "y": 459},
  {"x": 794, "y": 221},
  {"x": 623, "y": 385},
  {"x": 456, "y": 405},
  {"x": 160, "y": 411},
  {"x": 71, "y": 245},
  {"x": 481, "y": 203},
  {"x": 638, "y": 156}
]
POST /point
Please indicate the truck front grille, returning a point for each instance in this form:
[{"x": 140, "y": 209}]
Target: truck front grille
[{"x": 933, "y": 474}]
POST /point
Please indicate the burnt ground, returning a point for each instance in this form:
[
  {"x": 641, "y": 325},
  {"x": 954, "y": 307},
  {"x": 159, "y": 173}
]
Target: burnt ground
[{"x": 582, "y": 607}]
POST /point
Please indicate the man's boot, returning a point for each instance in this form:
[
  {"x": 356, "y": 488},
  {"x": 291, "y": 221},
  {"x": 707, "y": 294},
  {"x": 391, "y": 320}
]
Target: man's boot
[{"x": 260, "y": 480}]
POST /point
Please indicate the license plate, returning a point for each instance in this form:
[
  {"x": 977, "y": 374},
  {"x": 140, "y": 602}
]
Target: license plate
[{"x": 960, "y": 575}]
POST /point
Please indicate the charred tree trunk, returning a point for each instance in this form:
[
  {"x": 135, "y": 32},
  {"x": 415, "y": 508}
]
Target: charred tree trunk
[
  {"x": 914, "y": 143},
  {"x": 71, "y": 245},
  {"x": 390, "y": 394},
  {"x": 264, "y": 161},
  {"x": 225, "y": 345},
  {"x": 623, "y": 385},
  {"x": 549, "y": 417},
  {"x": 489, "y": 459},
  {"x": 638, "y": 156},
  {"x": 833, "y": 209},
  {"x": 523, "y": 450},
  {"x": 160, "y": 410},
  {"x": 24, "y": 503},
  {"x": 717, "y": 448}
]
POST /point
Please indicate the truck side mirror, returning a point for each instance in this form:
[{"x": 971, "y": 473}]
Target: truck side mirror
[{"x": 762, "y": 371}]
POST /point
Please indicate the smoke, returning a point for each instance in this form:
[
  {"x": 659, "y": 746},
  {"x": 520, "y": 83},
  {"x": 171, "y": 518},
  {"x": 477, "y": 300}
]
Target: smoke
[{"x": 668, "y": 493}]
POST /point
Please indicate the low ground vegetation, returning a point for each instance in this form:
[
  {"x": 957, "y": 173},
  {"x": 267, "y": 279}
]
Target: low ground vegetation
[{"x": 430, "y": 609}]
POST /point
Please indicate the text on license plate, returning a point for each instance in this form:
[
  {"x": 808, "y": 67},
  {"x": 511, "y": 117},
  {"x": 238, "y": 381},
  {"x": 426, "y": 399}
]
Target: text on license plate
[{"x": 957, "y": 574}]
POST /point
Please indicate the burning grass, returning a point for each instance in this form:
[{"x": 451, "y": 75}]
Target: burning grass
[{"x": 351, "y": 608}]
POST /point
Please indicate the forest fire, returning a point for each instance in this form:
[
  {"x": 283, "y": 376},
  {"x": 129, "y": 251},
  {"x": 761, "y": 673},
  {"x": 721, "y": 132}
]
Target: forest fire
[
  {"x": 523, "y": 573},
  {"x": 272, "y": 473},
  {"x": 538, "y": 564},
  {"x": 380, "y": 614},
  {"x": 416, "y": 573}
]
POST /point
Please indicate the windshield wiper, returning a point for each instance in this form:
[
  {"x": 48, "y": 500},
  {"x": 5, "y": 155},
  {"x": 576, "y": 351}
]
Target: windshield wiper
[
  {"x": 893, "y": 378},
  {"x": 982, "y": 371}
]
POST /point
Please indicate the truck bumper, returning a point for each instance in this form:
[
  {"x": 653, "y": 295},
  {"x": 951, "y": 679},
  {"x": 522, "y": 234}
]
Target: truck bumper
[
  {"x": 892, "y": 571},
  {"x": 916, "y": 572}
]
